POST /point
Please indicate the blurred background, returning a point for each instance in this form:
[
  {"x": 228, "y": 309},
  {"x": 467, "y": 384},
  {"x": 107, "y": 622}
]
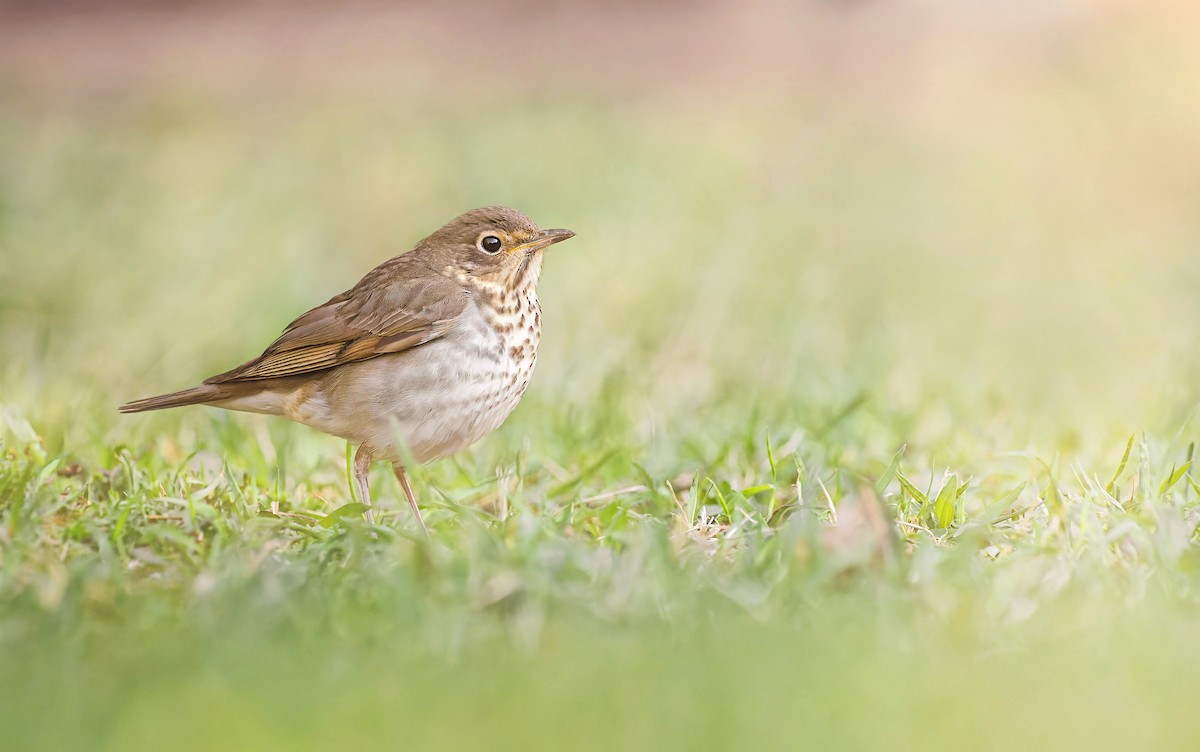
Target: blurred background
[
  {"x": 967, "y": 228},
  {"x": 987, "y": 207}
]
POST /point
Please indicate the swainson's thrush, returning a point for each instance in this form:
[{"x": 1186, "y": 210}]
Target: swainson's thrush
[{"x": 426, "y": 355}]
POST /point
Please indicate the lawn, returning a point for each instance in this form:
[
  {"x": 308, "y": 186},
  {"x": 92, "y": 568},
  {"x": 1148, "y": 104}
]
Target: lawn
[{"x": 862, "y": 419}]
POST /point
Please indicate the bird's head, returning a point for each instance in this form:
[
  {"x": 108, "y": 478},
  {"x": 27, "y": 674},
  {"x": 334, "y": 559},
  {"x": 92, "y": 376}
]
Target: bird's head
[{"x": 494, "y": 245}]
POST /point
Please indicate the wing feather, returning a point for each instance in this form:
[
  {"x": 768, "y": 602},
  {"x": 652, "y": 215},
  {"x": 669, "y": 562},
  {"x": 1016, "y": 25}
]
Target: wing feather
[{"x": 396, "y": 307}]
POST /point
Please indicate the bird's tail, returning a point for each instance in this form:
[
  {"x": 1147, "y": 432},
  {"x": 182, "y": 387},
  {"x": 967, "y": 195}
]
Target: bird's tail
[{"x": 198, "y": 395}]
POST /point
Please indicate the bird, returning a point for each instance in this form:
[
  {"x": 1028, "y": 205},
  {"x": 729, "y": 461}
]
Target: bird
[{"x": 423, "y": 357}]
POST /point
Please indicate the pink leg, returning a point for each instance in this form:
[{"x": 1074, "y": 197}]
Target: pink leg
[
  {"x": 408, "y": 492},
  {"x": 362, "y": 467}
]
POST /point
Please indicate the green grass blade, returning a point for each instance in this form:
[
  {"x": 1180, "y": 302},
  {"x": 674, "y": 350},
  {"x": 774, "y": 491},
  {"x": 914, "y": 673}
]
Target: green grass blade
[{"x": 1111, "y": 487}]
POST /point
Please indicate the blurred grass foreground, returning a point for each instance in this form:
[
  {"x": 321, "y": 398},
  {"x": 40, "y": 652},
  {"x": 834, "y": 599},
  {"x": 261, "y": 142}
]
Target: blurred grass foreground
[{"x": 865, "y": 416}]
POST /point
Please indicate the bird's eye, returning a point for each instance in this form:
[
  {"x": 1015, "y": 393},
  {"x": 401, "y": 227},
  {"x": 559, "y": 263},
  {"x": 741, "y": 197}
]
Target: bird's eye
[{"x": 490, "y": 244}]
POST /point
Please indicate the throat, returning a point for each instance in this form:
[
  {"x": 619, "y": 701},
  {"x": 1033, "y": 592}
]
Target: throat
[
  {"x": 527, "y": 272},
  {"x": 509, "y": 304},
  {"x": 515, "y": 317}
]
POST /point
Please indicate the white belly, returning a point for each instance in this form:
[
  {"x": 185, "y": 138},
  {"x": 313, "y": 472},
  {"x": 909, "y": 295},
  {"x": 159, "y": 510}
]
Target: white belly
[{"x": 436, "y": 399}]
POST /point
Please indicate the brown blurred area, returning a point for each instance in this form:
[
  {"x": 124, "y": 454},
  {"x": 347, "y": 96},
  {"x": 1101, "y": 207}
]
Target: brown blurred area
[{"x": 901, "y": 49}]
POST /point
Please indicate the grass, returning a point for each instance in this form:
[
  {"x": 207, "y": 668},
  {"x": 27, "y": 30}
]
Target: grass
[{"x": 878, "y": 432}]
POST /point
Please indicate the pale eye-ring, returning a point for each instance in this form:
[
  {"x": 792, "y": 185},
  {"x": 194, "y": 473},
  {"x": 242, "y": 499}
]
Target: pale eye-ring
[{"x": 490, "y": 244}]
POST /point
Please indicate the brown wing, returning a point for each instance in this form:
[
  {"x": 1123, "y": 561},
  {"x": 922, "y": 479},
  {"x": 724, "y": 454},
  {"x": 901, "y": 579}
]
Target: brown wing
[{"x": 387, "y": 312}]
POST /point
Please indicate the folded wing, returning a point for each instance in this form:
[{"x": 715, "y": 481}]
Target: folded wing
[{"x": 387, "y": 312}]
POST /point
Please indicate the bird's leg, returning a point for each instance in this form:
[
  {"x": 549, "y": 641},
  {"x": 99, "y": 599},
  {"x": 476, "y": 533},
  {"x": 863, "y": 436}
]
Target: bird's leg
[
  {"x": 398, "y": 469},
  {"x": 362, "y": 467}
]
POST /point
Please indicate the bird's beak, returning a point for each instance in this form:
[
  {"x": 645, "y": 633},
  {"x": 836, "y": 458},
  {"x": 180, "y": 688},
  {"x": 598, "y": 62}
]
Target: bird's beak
[{"x": 547, "y": 238}]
